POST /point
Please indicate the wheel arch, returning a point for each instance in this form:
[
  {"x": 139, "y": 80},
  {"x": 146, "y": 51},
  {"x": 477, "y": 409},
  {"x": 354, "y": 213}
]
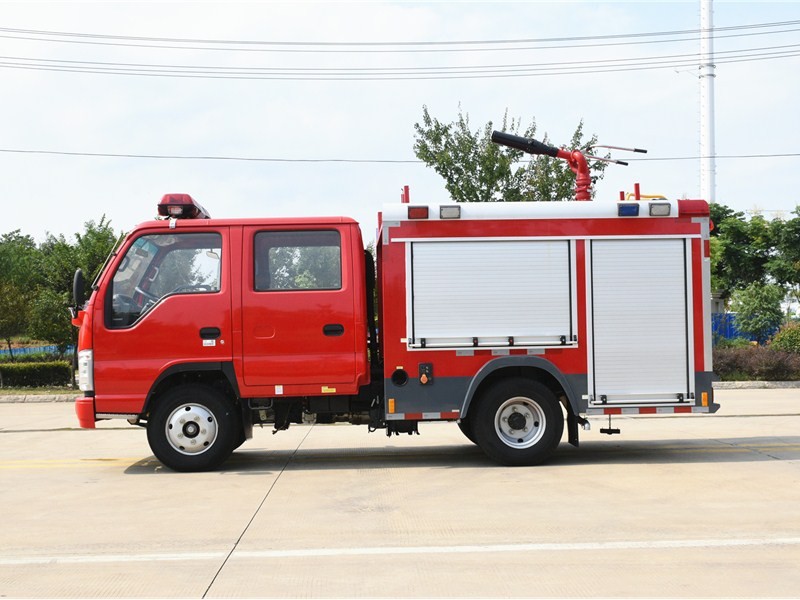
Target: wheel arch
[
  {"x": 216, "y": 374},
  {"x": 532, "y": 367},
  {"x": 220, "y": 375}
]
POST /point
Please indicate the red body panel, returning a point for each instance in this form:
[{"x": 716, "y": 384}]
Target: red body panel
[
  {"x": 311, "y": 343},
  {"x": 569, "y": 360},
  {"x": 284, "y": 342},
  {"x": 128, "y": 361}
]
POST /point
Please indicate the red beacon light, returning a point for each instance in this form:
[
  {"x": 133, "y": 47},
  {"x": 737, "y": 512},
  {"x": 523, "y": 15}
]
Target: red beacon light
[{"x": 181, "y": 206}]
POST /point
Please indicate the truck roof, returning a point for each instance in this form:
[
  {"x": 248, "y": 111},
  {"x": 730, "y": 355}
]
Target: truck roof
[
  {"x": 253, "y": 222},
  {"x": 653, "y": 208}
]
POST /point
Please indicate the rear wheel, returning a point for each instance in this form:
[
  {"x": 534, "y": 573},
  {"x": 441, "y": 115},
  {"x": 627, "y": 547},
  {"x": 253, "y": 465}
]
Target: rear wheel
[
  {"x": 193, "y": 428},
  {"x": 518, "y": 422}
]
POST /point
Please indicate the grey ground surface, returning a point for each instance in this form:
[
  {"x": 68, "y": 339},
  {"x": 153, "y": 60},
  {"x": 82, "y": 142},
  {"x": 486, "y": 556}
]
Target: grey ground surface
[{"x": 704, "y": 505}]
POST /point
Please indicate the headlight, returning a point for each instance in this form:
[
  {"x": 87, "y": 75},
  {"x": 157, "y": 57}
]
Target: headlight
[{"x": 86, "y": 370}]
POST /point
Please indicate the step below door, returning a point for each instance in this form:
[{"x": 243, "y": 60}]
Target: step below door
[{"x": 641, "y": 337}]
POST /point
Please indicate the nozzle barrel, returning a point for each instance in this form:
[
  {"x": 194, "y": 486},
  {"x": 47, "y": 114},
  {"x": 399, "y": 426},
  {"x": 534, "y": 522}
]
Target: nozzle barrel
[{"x": 528, "y": 145}]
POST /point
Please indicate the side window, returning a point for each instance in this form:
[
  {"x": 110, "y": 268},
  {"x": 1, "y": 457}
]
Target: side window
[
  {"x": 160, "y": 265},
  {"x": 298, "y": 260}
]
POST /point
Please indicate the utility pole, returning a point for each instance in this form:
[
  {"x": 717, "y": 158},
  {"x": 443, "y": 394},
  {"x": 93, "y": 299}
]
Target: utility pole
[{"x": 708, "y": 183}]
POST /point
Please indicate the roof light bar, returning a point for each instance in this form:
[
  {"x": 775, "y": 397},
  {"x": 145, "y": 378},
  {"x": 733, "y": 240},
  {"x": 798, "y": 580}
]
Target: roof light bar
[
  {"x": 628, "y": 209},
  {"x": 181, "y": 206}
]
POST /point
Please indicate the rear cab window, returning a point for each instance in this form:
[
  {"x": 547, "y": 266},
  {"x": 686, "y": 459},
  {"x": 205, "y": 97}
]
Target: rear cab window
[{"x": 298, "y": 260}]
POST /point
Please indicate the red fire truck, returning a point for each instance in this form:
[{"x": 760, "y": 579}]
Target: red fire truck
[{"x": 508, "y": 319}]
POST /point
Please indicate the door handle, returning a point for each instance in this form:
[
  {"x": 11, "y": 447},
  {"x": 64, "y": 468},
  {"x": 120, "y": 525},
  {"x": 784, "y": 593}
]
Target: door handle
[
  {"x": 210, "y": 333},
  {"x": 333, "y": 329}
]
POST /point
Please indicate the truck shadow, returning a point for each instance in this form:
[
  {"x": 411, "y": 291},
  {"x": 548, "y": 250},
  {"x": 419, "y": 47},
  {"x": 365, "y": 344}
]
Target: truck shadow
[{"x": 723, "y": 450}]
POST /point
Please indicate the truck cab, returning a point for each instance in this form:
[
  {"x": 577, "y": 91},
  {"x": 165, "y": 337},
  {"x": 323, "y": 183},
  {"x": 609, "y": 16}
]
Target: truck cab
[{"x": 253, "y": 310}]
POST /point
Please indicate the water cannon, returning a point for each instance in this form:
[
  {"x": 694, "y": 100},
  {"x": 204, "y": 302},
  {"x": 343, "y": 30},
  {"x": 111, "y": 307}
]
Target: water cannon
[{"x": 576, "y": 159}]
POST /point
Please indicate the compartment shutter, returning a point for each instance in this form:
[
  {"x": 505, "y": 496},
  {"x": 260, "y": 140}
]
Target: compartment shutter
[
  {"x": 640, "y": 336},
  {"x": 490, "y": 293}
]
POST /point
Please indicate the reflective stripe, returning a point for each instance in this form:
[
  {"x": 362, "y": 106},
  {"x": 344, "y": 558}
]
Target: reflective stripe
[
  {"x": 428, "y": 416},
  {"x": 648, "y": 410}
]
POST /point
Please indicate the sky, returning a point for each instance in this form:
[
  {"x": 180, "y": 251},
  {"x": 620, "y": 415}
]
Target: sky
[{"x": 323, "y": 88}]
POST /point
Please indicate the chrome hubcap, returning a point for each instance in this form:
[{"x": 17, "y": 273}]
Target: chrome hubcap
[
  {"x": 191, "y": 429},
  {"x": 520, "y": 422}
]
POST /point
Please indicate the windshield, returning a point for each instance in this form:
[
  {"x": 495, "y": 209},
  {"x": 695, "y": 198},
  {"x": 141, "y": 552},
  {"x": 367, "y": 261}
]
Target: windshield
[
  {"x": 111, "y": 255},
  {"x": 160, "y": 265}
]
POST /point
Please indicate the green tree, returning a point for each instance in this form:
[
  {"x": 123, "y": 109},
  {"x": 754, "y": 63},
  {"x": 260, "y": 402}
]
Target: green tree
[
  {"x": 14, "y": 305},
  {"x": 19, "y": 260},
  {"x": 49, "y": 319},
  {"x": 94, "y": 245},
  {"x": 744, "y": 251},
  {"x": 19, "y": 273},
  {"x": 784, "y": 266},
  {"x": 758, "y": 309},
  {"x": 58, "y": 261},
  {"x": 50, "y": 292},
  {"x": 720, "y": 212},
  {"x": 477, "y": 170}
]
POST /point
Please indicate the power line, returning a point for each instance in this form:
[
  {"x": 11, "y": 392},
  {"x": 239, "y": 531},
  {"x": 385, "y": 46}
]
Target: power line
[
  {"x": 337, "y": 160},
  {"x": 399, "y": 47},
  {"x": 600, "y": 63},
  {"x": 386, "y": 73},
  {"x": 397, "y": 43},
  {"x": 210, "y": 157}
]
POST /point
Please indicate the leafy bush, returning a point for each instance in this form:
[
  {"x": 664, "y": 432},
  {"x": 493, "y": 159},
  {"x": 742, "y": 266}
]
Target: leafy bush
[
  {"x": 35, "y": 374},
  {"x": 739, "y": 342},
  {"x": 758, "y": 310},
  {"x": 36, "y": 357},
  {"x": 787, "y": 339},
  {"x": 756, "y": 363}
]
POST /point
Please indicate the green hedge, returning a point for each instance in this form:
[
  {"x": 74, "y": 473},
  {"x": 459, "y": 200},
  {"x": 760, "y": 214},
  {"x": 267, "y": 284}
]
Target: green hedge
[
  {"x": 37, "y": 357},
  {"x": 36, "y": 374},
  {"x": 756, "y": 363}
]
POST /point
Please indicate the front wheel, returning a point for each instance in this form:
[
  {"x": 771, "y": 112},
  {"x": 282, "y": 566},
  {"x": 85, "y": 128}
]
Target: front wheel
[
  {"x": 193, "y": 428},
  {"x": 518, "y": 422}
]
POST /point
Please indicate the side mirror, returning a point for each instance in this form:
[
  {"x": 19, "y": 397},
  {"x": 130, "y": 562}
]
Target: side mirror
[{"x": 78, "y": 289}]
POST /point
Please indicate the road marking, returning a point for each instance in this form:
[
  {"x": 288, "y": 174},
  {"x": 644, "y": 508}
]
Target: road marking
[
  {"x": 7, "y": 561},
  {"x": 541, "y": 547},
  {"x": 66, "y": 463}
]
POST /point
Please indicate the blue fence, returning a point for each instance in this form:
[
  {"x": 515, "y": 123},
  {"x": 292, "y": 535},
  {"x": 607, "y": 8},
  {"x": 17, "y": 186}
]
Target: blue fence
[
  {"x": 723, "y": 325},
  {"x": 35, "y": 350}
]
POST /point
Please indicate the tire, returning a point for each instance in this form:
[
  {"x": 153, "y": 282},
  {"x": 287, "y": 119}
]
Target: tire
[
  {"x": 193, "y": 428},
  {"x": 518, "y": 422},
  {"x": 465, "y": 425}
]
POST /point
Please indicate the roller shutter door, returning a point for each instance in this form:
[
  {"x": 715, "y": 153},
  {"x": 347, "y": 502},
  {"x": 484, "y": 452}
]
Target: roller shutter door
[
  {"x": 639, "y": 323},
  {"x": 493, "y": 293}
]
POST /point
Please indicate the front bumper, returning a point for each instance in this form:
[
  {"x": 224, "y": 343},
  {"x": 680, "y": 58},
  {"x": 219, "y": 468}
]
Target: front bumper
[{"x": 84, "y": 408}]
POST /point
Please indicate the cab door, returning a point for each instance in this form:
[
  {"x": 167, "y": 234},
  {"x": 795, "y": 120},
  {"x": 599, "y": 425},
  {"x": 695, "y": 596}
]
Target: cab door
[
  {"x": 298, "y": 309},
  {"x": 167, "y": 303}
]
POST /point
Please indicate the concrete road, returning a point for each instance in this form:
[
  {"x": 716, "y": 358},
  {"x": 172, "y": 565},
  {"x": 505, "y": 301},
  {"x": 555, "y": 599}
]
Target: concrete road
[{"x": 674, "y": 507}]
